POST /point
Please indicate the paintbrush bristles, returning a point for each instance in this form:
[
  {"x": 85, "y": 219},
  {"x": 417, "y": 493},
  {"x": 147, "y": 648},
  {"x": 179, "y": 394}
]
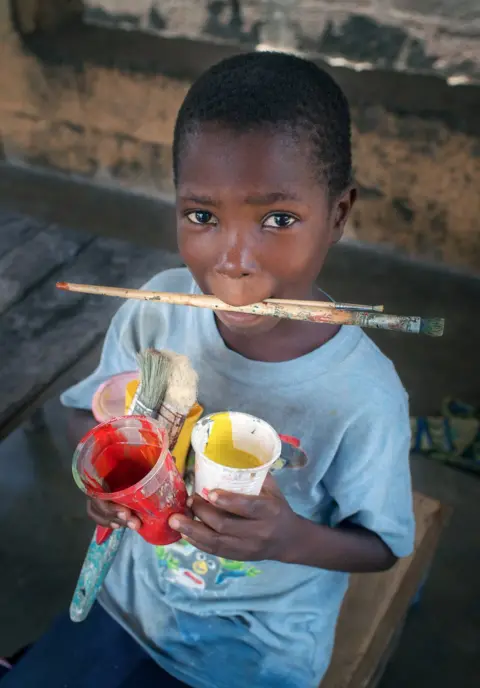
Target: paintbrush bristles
[
  {"x": 154, "y": 374},
  {"x": 180, "y": 396},
  {"x": 181, "y": 391},
  {"x": 433, "y": 327}
]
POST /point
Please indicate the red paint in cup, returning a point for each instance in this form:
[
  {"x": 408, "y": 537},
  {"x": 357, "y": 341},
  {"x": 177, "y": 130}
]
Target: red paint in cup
[{"x": 126, "y": 460}]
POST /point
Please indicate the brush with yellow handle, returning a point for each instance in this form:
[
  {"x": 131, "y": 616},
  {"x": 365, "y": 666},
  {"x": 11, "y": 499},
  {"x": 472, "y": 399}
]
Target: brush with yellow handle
[{"x": 188, "y": 417}]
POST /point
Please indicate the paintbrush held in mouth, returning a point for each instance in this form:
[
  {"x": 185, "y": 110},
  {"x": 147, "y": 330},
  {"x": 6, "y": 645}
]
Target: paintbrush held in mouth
[{"x": 314, "y": 311}]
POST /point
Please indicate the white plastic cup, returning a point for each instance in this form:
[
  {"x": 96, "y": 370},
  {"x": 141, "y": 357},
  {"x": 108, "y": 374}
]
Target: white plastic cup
[{"x": 249, "y": 434}]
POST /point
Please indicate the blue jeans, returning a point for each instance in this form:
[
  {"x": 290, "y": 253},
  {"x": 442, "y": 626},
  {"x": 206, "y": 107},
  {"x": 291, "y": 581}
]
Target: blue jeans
[{"x": 96, "y": 652}]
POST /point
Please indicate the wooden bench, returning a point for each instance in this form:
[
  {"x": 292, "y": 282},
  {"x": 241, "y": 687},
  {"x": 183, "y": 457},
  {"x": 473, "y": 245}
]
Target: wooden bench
[{"x": 376, "y": 605}]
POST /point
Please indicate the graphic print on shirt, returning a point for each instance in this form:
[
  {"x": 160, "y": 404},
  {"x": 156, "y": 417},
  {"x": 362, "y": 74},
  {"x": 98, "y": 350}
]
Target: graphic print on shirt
[
  {"x": 187, "y": 566},
  {"x": 291, "y": 456}
]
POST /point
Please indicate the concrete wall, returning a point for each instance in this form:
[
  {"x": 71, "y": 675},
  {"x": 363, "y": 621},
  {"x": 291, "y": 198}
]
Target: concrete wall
[
  {"x": 440, "y": 36},
  {"x": 101, "y": 104}
]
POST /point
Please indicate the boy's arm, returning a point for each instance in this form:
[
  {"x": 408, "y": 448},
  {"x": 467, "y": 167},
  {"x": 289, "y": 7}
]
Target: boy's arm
[
  {"x": 246, "y": 528},
  {"x": 371, "y": 522},
  {"x": 347, "y": 548}
]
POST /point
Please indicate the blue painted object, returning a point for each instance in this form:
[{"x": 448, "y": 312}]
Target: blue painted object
[{"x": 96, "y": 565}]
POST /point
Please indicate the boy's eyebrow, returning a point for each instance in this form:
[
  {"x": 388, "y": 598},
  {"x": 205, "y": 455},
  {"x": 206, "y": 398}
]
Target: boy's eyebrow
[
  {"x": 196, "y": 198},
  {"x": 255, "y": 199},
  {"x": 271, "y": 197}
]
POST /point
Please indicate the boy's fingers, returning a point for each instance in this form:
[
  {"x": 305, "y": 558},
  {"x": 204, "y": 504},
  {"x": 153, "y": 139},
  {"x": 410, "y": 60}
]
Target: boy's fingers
[
  {"x": 201, "y": 536},
  {"x": 121, "y": 513},
  {"x": 134, "y": 523},
  {"x": 220, "y": 521},
  {"x": 246, "y": 506},
  {"x": 126, "y": 517},
  {"x": 112, "y": 515},
  {"x": 99, "y": 517}
]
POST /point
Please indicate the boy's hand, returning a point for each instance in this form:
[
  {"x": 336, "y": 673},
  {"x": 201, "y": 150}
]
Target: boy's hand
[
  {"x": 240, "y": 527},
  {"x": 111, "y": 515}
]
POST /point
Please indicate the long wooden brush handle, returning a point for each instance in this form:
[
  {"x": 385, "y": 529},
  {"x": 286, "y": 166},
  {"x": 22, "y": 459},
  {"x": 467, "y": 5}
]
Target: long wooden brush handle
[
  {"x": 318, "y": 314},
  {"x": 207, "y": 301}
]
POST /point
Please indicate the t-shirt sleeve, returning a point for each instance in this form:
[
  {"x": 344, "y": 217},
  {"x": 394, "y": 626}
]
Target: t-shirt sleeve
[
  {"x": 118, "y": 356},
  {"x": 370, "y": 481}
]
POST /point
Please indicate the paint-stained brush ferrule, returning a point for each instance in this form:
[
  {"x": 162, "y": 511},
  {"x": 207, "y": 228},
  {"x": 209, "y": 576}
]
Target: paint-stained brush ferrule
[{"x": 138, "y": 408}]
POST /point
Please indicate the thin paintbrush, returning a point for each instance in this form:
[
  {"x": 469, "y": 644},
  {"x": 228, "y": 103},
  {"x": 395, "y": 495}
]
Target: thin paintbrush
[
  {"x": 314, "y": 312},
  {"x": 206, "y": 301},
  {"x": 155, "y": 370},
  {"x": 336, "y": 305}
]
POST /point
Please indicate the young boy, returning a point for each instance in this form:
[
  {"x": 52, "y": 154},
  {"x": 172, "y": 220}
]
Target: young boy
[{"x": 262, "y": 166}]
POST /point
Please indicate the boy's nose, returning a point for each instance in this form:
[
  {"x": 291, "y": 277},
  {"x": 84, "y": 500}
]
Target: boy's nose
[{"x": 236, "y": 259}]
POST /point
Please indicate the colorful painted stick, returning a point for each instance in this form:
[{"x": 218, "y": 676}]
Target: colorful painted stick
[
  {"x": 95, "y": 567},
  {"x": 313, "y": 312}
]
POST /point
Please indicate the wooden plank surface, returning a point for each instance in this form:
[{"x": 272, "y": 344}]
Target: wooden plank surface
[
  {"x": 14, "y": 230},
  {"x": 45, "y": 331},
  {"x": 376, "y": 604},
  {"x": 34, "y": 259}
]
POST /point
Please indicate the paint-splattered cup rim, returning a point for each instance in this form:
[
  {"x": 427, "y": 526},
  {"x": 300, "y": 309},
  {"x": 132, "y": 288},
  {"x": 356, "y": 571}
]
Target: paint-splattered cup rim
[
  {"x": 99, "y": 493},
  {"x": 263, "y": 468}
]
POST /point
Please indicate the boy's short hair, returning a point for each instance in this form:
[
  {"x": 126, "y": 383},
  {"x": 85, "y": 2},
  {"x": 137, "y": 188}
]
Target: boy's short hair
[{"x": 277, "y": 91}]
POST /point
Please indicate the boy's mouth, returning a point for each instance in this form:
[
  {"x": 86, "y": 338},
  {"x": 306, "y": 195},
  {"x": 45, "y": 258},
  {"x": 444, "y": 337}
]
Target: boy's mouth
[
  {"x": 230, "y": 318},
  {"x": 237, "y": 320}
]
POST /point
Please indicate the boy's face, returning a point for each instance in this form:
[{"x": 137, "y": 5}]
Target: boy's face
[{"x": 253, "y": 220}]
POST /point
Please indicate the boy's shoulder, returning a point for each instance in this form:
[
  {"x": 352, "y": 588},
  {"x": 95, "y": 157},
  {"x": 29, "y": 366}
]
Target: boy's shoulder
[
  {"x": 173, "y": 280},
  {"x": 375, "y": 374},
  {"x": 137, "y": 321}
]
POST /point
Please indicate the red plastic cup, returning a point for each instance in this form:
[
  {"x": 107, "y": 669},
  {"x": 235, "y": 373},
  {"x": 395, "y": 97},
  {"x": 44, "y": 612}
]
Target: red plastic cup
[{"x": 126, "y": 460}]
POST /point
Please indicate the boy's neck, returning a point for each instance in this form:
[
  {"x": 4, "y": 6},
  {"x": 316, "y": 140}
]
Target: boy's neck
[{"x": 288, "y": 340}]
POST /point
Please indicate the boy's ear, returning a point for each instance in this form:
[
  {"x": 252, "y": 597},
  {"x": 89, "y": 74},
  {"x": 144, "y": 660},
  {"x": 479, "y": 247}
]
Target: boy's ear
[{"x": 341, "y": 210}]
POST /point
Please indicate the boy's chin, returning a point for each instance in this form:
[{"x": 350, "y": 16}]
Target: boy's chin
[{"x": 245, "y": 324}]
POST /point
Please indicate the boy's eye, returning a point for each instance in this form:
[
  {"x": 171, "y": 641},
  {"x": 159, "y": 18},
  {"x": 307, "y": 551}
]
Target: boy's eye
[
  {"x": 279, "y": 220},
  {"x": 201, "y": 217}
]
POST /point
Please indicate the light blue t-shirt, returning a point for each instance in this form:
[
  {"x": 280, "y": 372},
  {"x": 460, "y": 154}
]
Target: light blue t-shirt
[{"x": 214, "y": 623}]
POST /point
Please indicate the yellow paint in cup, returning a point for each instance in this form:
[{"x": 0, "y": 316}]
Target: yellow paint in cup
[
  {"x": 220, "y": 447},
  {"x": 233, "y": 451}
]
